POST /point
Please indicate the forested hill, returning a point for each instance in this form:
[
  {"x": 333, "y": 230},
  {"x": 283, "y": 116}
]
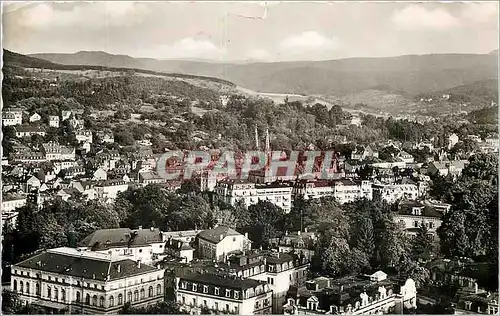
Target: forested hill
[
  {"x": 479, "y": 93},
  {"x": 19, "y": 60},
  {"x": 413, "y": 74}
]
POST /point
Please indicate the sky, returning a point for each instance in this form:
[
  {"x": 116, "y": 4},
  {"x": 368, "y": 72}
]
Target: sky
[{"x": 259, "y": 31}]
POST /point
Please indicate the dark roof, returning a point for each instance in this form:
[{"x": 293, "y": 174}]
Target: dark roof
[
  {"x": 214, "y": 235},
  {"x": 121, "y": 237},
  {"x": 222, "y": 280},
  {"x": 69, "y": 261}
]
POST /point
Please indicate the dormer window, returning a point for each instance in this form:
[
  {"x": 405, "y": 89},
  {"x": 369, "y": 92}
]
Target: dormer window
[
  {"x": 216, "y": 291},
  {"x": 205, "y": 288},
  {"x": 183, "y": 285},
  {"x": 228, "y": 293},
  {"x": 195, "y": 287},
  {"x": 236, "y": 294},
  {"x": 468, "y": 305}
]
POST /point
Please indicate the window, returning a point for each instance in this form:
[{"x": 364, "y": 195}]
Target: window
[
  {"x": 140, "y": 250},
  {"x": 56, "y": 293},
  {"x": 270, "y": 281},
  {"x": 21, "y": 284},
  {"x": 234, "y": 239},
  {"x": 78, "y": 297},
  {"x": 120, "y": 299},
  {"x": 37, "y": 289},
  {"x": 101, "y": 301},
  {"x": 236, "y": 310},
  {"x": 28, "y": 287},
  {"x": 216, "y": 307},
  {"x": 228, "y": 293},
  {"x": 227, "y": 307},
  {"x": 94, "y": 300},
  {"x": 111, "y": 301},
  {"x": 183, "y": 285},
  {"x": 195, "y": 287},
  {"x": 15, "y": 285},
  {"x": 216, "y": 291},
  {"x": 150, "y": 291},
  {"x": 415, "y": 224},
  {"x": 49, "y": 291},
  {"x": 87, "y": 299},
  {"x": 143, "y": 294},
  {"x": 205, "y": 289},
  {"x": 63, "y": 295},
  {"x": 158, "y": 289},
  {"x": 194, "y": 302},
  {"x": 468, "y": 305},
  {"x": 136, "y": 295},
  {"x": 129, "y": 297}
]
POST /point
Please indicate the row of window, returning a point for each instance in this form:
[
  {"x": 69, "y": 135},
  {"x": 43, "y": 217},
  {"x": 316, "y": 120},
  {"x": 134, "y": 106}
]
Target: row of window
[
  {"x": 205, "y": 305},
  {"x": 25, "y": 288},
  {"x": 236, "y": 294}
]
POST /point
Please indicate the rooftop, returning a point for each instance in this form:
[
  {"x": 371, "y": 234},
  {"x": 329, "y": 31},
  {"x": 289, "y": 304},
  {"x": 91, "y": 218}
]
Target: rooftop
[
  {"x": 217, "y": 234},
  {"x": 84, "y": 264}
]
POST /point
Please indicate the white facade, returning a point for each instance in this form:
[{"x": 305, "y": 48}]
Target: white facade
[
  {"x": 110, "y": 191},
  {"x": 393, "y": 192},
  {"x": 250, "y": 193},
  {"x": 244, "y": 297},
  {"x": 83, "y": 136},
  {"x": 54, "y": 121},
  {"x": 35, "y": 117},
  {"x": 343, "y": 191},
  {"x": 12, "y": 117},
  {"x": 99, "y": 284},
  {"x": 452, "y": 140}
]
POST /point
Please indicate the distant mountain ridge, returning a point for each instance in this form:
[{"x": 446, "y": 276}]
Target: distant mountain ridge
[
  {"x": 15, "y": 59},
  {"x": 413, "y": 74}
]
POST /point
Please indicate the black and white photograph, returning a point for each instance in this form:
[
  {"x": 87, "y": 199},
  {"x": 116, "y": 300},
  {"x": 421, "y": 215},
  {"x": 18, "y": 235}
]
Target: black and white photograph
[{"x": 250, "y": 158}]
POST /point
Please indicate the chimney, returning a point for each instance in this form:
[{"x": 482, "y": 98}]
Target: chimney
[
  {"x": 118, "y": 268},
  {"x": 298, "y": 233},
  {"x": 152, "y": 228},
  {"x": 138, "y": 264},
  {"x": 140, "y": 227},
  {"x": 221, "y": 237}
]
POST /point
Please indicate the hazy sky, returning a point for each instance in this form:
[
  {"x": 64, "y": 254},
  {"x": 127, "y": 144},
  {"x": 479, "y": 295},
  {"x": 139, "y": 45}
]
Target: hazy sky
[{"x": 254, "y": 30}]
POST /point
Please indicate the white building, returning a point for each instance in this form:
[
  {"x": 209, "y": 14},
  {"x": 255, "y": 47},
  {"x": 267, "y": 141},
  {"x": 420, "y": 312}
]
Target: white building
[
  {"x": 72, "y": 281},
  {"x": 223, "y": 294},
  {"x": 11, "y": 202},
  {"x": 444, "y": 168},
  {"x": 55, "y": 151},
  {"x": 109, "y": 189},
  {"x": 343, "y": 190},
  {"x": 35, "y": 117},
  {"x": 105, "y": 137},
  {"x": 12, "y": 117},
  {"x": 405, "y": 157},
  {"x": 394, "y": 192},
  {"x": 138, "y": 244},
  {"x": 355, "y": 296},
  {"x": 54, "y": 121},
  {"x": 26, "y": 130},
  {"x": 411, "y": 215},
  {"x": 452, "y": 140},
  {"x": 232, "y": 191},
  {"x": 83, "y": 136},
  {"x": 221, "y": 241}
]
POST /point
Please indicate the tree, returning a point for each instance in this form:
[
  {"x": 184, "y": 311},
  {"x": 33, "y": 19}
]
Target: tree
[
  {"x": 330, "y": 256},
  {"x": 364, "y": 237},
  {"x": 266, "y": 221},
  {"x": 422, "y": 244}
]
